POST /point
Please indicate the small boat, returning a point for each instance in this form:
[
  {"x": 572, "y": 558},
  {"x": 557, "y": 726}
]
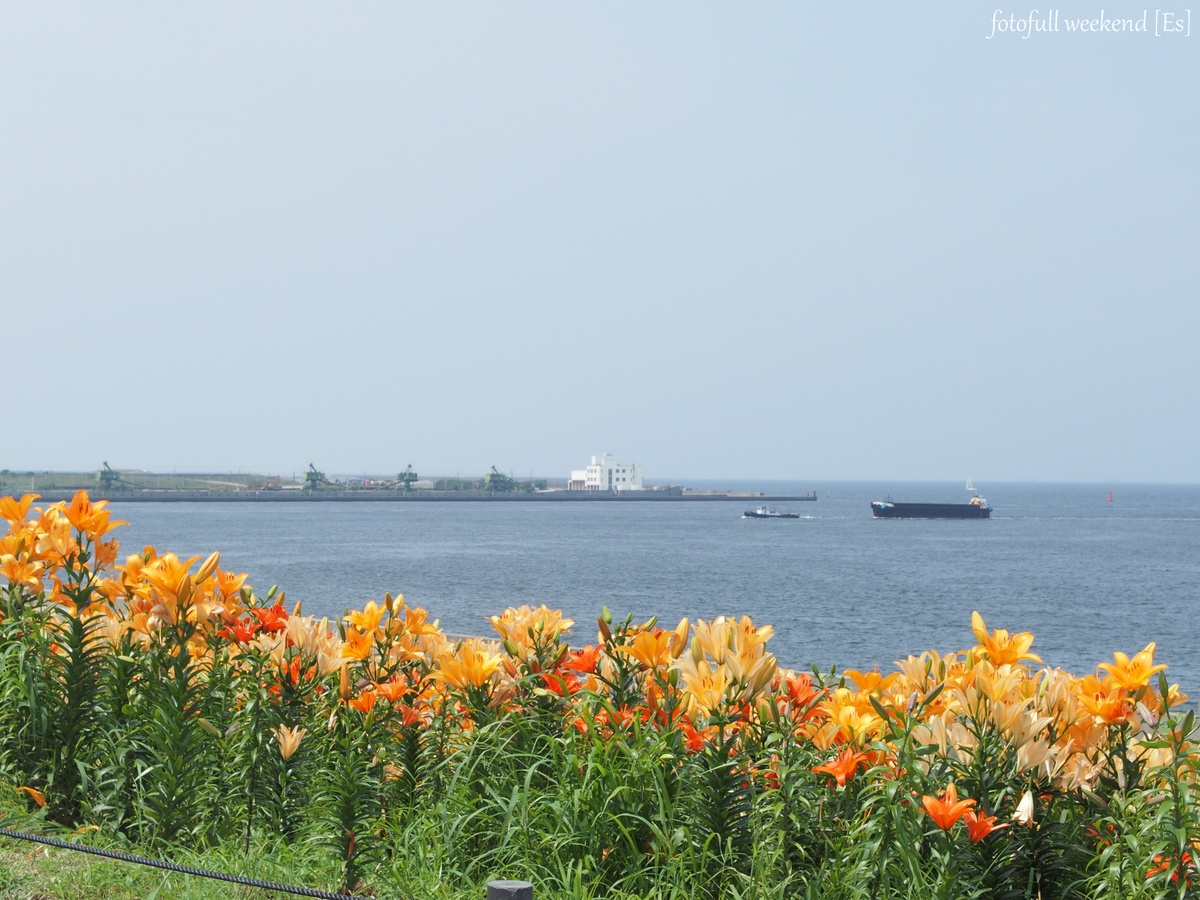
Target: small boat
[{"x": 768, "y": 512}]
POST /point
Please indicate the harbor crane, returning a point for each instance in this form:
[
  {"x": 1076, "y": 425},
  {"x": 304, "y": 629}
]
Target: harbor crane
[{"x": 314, "y": 479}]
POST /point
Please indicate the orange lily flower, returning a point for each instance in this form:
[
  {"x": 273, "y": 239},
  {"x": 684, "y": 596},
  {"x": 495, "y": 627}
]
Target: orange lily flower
[
  {"x": 273, "y": 618},
  {"x": 416, "y": 620},
  {"x": 844, "y": 766},
  {"x": 38, "y": 797},
  {"x": 105, "y": 554},
  {"x": 946, "y": 809},
  {"x": 693, "y": 738},
  {"x": 980, "y": 825},
  {"x": 90, "y": 518},
  {"x": 584, "y": 660},
  {"x": 410, "y": 715},
  {"x": 15, "y": 511},
  {"x": 392, "y": 690},
  {"x": 229, "y": 584},
  {"x": 562, "y": 683},
  {"x": 54, "y": 539},
  {"x": 241, "y": 632},
  {"x": 1162, "y": 864}
]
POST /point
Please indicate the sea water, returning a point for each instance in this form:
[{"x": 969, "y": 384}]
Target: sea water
[{"x": 1088, "y": 576}]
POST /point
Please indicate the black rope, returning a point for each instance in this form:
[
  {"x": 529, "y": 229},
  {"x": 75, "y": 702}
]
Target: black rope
[{"x": 175, "y": 867}]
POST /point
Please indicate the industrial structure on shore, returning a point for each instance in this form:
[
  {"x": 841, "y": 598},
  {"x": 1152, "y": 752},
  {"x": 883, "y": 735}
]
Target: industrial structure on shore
[
  {"x": 606, "y": 474},
  {"x": 604, "y": 479}
]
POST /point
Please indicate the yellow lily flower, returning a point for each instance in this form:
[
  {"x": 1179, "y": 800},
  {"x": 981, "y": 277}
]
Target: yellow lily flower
[
  {"x": 368, "y": 620},
  {"x": 22, "y": 572},
  {"x": 873, "y": 681},
  {"x": 527, "y": 628},
  {"x": 1132, "y": 674},
  {"x": 289, "y": 740},
  {"x": 470, "y": 667},
  {"x": 705, "y": 689},
  {"x": 651, "y": 648},
  {"x": 358, "y": 645},
  {"x": 999, "y": 647}
]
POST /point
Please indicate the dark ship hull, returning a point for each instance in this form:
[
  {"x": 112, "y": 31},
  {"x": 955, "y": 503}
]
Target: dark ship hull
[{"x": 886, "y": 509}]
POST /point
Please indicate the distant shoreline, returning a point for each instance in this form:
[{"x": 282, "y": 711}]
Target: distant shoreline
[{"x": 327, "y": 496}]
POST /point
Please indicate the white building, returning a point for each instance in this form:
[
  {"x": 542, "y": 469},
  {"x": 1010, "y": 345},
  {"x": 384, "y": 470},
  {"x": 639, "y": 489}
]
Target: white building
[{"x": 606, "y": 474}]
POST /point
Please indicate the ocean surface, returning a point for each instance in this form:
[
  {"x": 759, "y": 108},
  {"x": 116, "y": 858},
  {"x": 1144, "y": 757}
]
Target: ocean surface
[{"x": 1086, "y": 575}]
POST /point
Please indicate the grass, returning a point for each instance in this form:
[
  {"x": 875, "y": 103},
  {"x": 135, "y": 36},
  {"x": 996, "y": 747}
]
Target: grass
[{"x": 32, "y": 871}]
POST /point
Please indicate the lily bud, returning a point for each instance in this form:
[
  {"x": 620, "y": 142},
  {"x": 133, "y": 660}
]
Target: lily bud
[
  {"x": 562, "y": 655},
  {"x": 208, "y": 567},
  {"x": 679, "y": 638},
  {"x": 760, "y": 675},
  {"x": 1024, "y": 813}
]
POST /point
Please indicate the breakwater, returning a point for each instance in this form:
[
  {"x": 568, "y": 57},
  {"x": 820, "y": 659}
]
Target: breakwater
[{"x": 250, "y": 496}]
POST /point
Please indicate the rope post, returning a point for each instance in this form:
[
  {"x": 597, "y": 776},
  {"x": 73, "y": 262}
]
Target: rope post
[{"x": 510, "y": 890}]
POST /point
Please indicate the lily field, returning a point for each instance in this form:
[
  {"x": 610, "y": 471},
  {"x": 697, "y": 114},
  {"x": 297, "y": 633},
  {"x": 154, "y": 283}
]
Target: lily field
[{"x": 162, "y": 706}]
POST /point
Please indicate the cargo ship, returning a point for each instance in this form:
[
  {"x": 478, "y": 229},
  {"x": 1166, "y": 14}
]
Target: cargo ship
[{"x": 976, "y": 508}]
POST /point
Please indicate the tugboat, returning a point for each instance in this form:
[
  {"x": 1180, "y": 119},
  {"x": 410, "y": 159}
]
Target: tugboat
[
  {"x": 976, "y": 508},
  {"x": 768, "y": 512}
]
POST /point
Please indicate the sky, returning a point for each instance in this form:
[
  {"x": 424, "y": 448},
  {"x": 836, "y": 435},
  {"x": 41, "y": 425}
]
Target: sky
[{"x": 772, "y": 240}]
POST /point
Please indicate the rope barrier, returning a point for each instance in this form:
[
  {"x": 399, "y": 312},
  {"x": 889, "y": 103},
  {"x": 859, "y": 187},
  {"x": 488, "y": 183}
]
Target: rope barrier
[{"x": 175, "y": 867}]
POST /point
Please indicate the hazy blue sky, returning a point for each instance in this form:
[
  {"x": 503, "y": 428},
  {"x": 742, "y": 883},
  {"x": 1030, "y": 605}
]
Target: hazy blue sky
[{"x": 726, "y": 240}]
